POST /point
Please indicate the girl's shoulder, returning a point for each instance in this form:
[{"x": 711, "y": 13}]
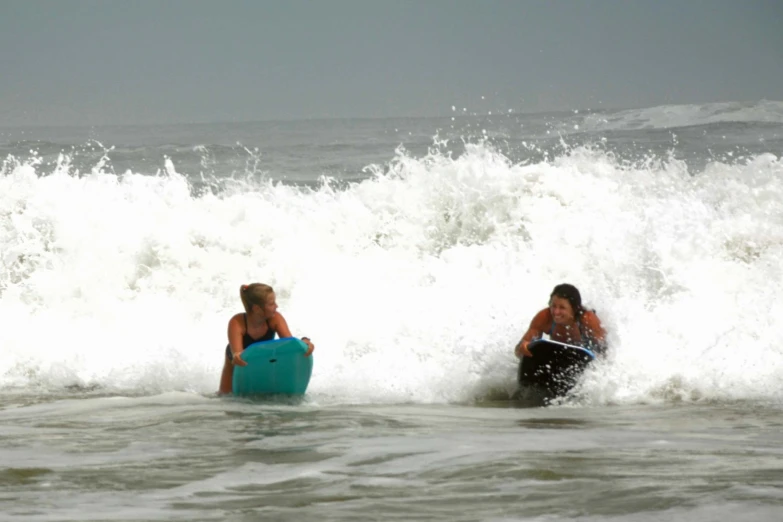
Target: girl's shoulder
[
  {"x": 590, "y": 317},
  {"x": 276, "y": 319},
  {"x": 237, "y": 320},
  {"x": 543, "y": 318}
]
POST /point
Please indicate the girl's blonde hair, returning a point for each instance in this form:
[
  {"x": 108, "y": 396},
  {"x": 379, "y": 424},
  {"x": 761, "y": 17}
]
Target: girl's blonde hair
[{"x": 254, "y": 294}]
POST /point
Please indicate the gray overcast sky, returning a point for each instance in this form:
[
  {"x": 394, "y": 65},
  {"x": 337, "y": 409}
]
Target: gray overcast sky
[{"x": 96, "y": 62}]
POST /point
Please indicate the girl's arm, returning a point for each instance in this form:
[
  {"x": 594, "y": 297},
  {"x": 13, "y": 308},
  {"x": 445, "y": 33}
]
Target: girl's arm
[
  {"x": 280, "y": 325},
  {"x": 235, "y": 334},
  {"x": 537, "y": 327}
]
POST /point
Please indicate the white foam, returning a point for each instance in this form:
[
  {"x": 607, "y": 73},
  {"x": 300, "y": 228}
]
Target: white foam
[{"x": 414, "y": 284}]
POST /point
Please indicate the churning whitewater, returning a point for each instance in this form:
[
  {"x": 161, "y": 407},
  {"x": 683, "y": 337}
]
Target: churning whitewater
[{"x": 414, "y": 280}]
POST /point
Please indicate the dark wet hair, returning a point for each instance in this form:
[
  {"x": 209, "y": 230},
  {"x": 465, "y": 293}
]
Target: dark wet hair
[{"x": 572, "y": 295}]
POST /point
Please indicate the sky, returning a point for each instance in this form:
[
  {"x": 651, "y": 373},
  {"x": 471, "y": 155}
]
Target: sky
[{"x": 81, "y": 62}]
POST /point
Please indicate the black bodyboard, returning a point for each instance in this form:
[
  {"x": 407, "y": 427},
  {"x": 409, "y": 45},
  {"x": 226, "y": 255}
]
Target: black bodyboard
[{"x": 554, "y": 368}]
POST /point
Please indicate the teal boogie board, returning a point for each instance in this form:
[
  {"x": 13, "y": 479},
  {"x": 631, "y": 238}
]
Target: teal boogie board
[{"x": 274, "y": 367}]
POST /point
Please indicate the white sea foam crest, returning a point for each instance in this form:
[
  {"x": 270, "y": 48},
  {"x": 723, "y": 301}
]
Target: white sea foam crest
[{"x": 414, "y": 284}]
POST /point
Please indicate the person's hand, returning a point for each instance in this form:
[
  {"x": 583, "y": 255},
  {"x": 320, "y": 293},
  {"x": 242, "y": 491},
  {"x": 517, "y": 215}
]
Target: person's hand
[
  {"x": 522, "y": 350},
  {"x": 237, "y": 360},
  {"x": 310, "y": 346}
]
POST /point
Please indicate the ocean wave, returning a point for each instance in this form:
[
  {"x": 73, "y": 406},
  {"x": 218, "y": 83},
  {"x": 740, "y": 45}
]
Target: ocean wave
[
  {"x": 414, "y": 282},
  {"x": 674, "y": 116}
]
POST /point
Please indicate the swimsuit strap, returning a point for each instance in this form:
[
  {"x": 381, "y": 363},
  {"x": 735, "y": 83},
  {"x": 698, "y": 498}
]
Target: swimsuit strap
[{"x": 578, "y": 323}]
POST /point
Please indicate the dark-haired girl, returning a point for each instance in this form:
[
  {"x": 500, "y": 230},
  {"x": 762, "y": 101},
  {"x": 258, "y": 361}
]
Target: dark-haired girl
[{"x": 567, "y": 321}]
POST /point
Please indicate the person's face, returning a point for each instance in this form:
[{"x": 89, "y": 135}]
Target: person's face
[
  {"x": 561, "y": 309},
  {"x": 271, "y": 306}
]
